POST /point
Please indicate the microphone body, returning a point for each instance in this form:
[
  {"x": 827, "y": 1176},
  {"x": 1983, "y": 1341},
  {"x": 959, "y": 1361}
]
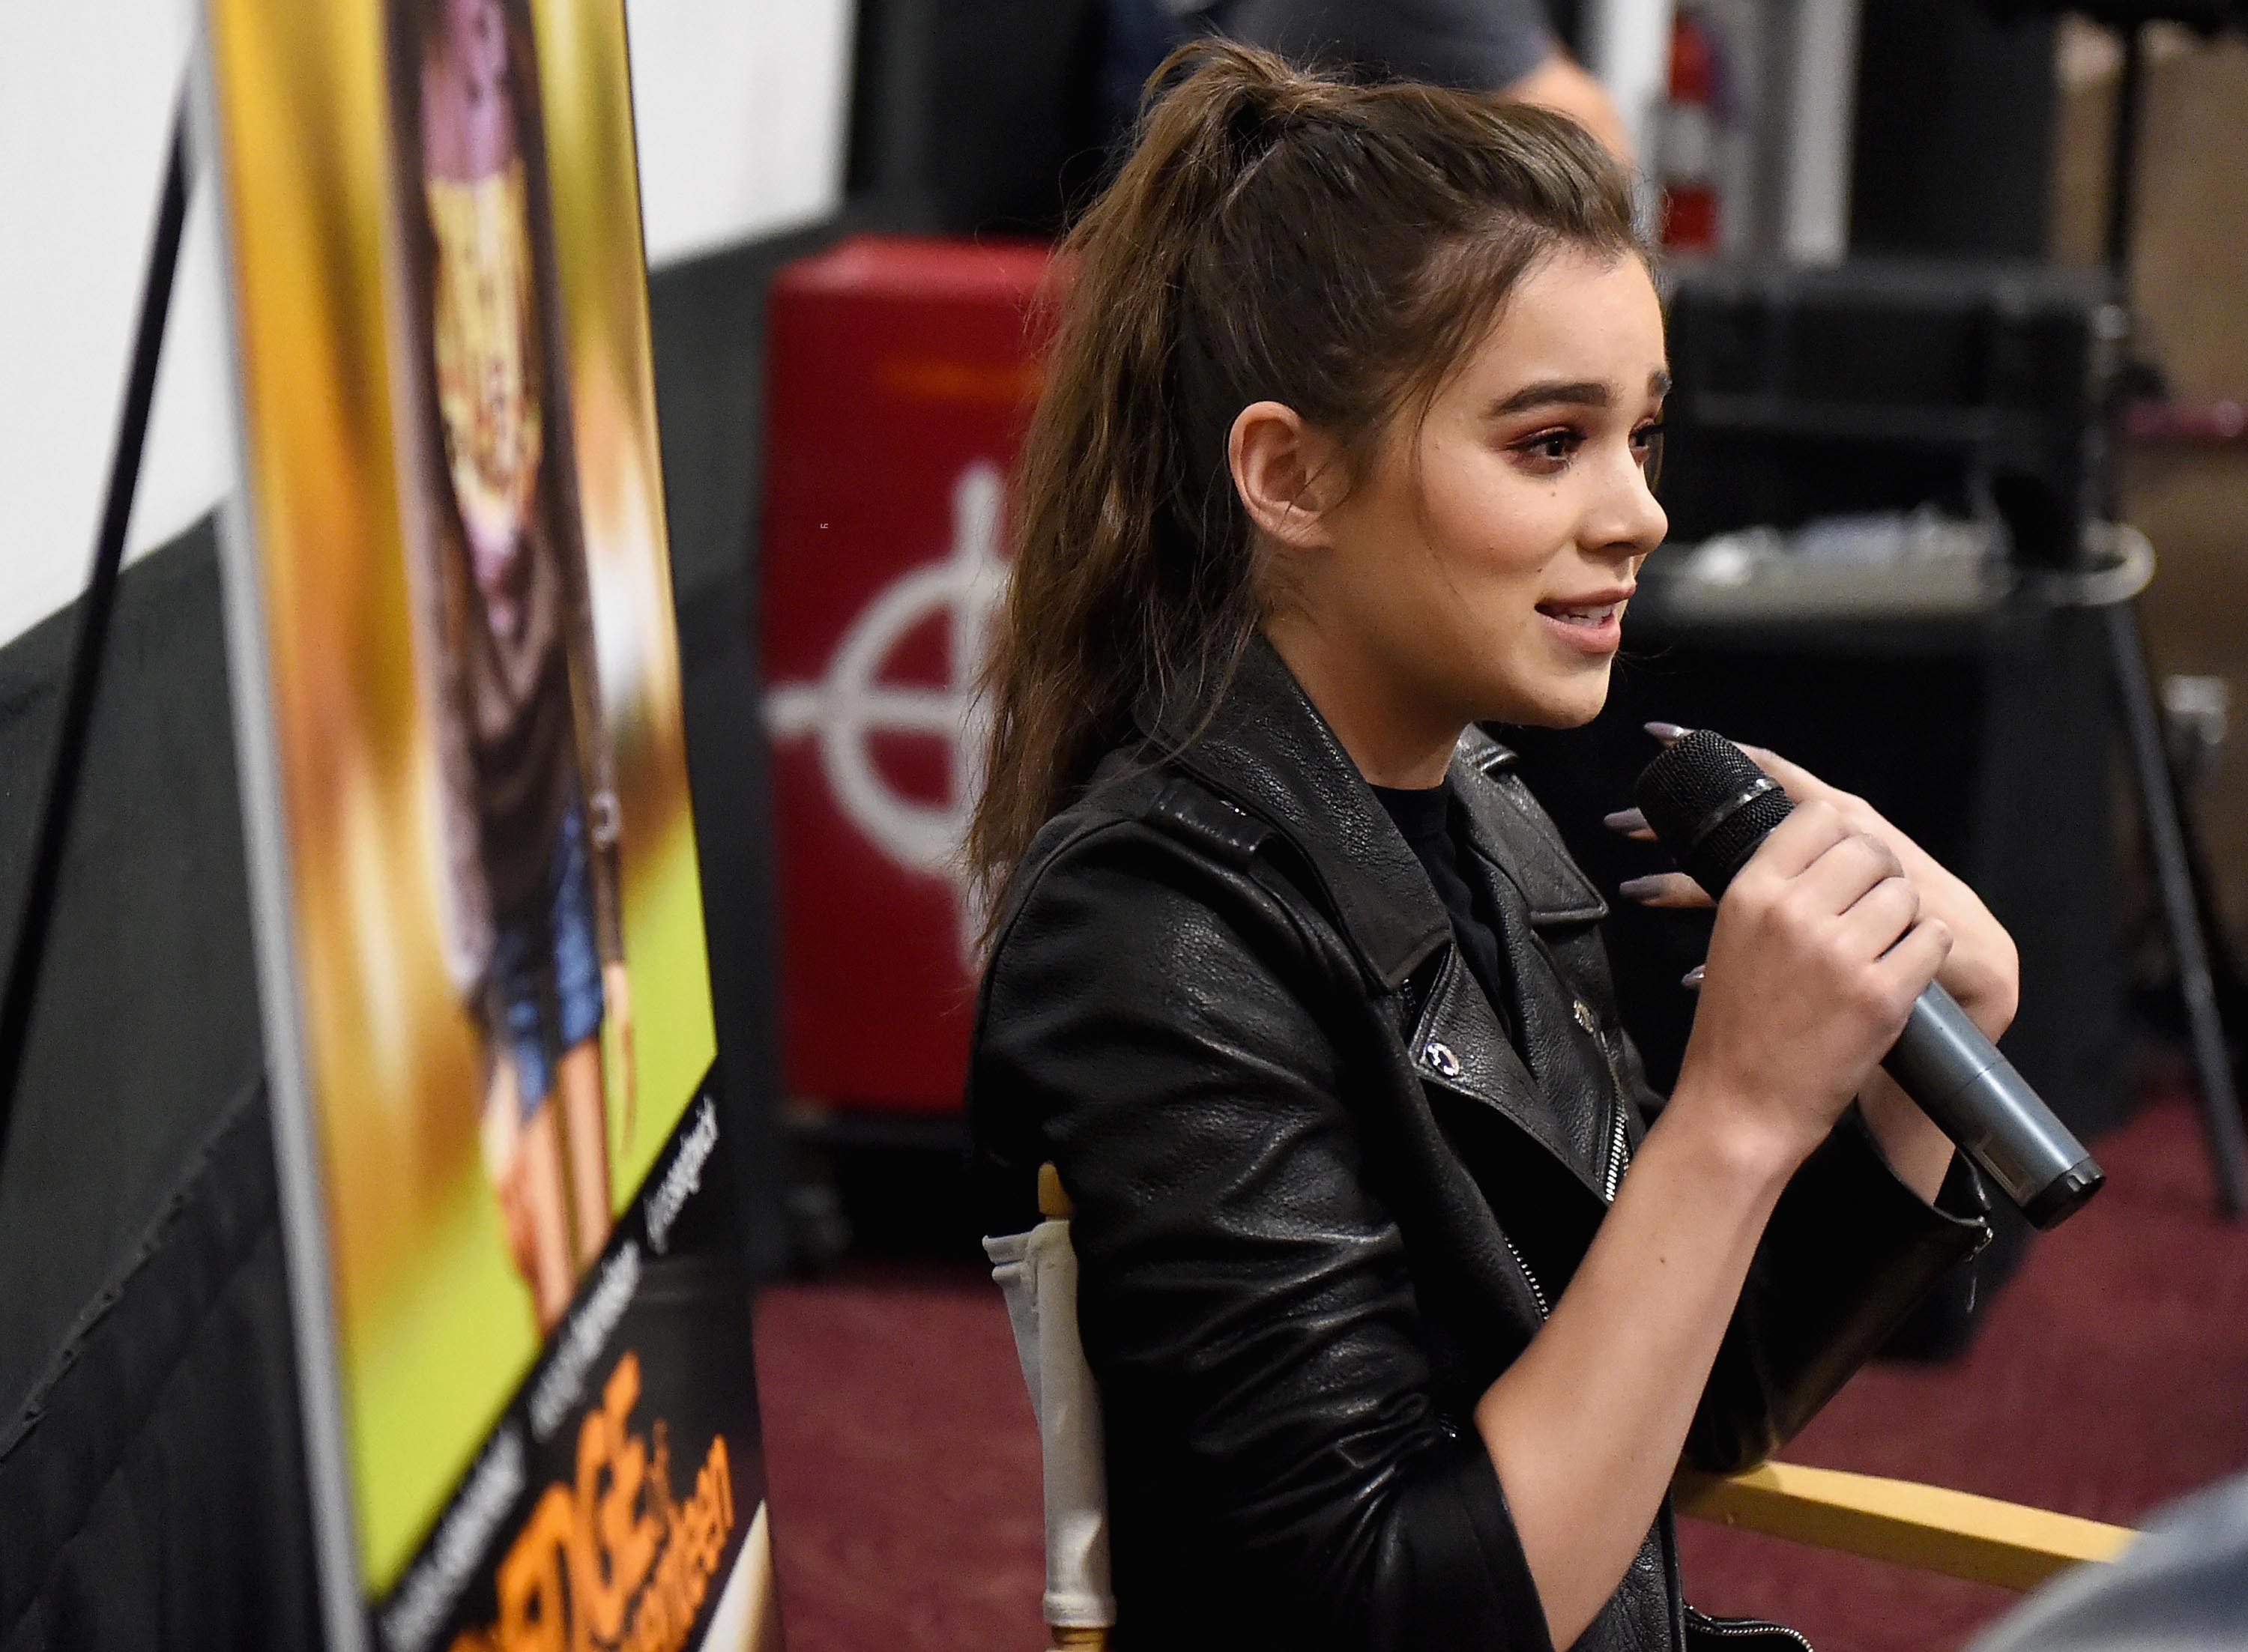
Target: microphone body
[{"x": 1711, "y": 807}]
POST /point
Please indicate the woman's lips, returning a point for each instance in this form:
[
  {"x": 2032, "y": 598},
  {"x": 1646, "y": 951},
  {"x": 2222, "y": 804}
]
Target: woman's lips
[{"x": 1597, "y": 627}]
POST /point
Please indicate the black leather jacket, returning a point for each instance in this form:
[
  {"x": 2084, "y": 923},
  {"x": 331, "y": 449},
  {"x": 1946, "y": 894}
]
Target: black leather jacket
[{"x": 1321, "y": 1202}]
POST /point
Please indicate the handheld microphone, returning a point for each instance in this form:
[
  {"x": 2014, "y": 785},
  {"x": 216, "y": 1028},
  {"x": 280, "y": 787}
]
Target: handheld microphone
[{"x": 1711, "y": 806}]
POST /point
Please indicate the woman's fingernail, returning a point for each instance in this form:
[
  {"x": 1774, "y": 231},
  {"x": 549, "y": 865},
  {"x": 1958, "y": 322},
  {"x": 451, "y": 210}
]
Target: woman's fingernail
[
  {"x": 1692, "y": 979},
  {"x": 1625, "y": 820},
  {"x": 1642, "y": 888},
  {"x": 1665, "y": 732}
]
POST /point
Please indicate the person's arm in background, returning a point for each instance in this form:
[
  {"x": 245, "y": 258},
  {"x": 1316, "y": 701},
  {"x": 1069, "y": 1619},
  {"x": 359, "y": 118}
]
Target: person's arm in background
[{"x": 1562, "y": 83}]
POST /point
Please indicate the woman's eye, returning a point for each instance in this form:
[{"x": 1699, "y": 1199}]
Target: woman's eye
[
  {"x": 1646, "y": 443},
  {"x": 1556, "y": 447}
]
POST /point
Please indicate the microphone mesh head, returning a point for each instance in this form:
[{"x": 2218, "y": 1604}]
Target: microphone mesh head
[{"x": 1710, "y": 806}]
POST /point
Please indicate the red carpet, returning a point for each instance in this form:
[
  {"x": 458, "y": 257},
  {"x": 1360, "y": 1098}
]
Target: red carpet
[{"x": 2108, "y": 1377}]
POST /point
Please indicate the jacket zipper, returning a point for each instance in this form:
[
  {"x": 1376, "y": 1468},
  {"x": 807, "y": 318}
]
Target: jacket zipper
[
  {"x": 1536, "y": 1291},
  {"x": 1618, "y": 1138},
  {"x": 1619, "y": 1146},
  {"x": 1708, "y": 1625}
]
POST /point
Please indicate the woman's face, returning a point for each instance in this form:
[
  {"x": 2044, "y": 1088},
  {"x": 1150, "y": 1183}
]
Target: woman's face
[{"x": 1481, "y": 568}]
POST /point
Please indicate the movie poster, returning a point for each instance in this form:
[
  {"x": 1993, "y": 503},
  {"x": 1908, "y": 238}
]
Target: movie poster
[{"x": 521, "y": 1314}]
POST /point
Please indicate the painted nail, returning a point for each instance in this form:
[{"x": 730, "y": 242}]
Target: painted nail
[
  {"x": 1642, "y": 889},
  {"x": 1665, "y": 732},
  {"x": 1625, "y": 820},
  {"x": 1692, "y": 979}
]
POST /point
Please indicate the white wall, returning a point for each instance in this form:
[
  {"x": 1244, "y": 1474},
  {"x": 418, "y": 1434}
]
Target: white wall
[
  {"x": 85, "y": 110},
  {"x": 741, "y": 107}
]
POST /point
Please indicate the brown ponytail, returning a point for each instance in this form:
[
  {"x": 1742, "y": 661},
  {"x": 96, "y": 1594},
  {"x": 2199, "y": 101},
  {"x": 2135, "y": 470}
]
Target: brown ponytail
[{"x": 1275, "y": 234}]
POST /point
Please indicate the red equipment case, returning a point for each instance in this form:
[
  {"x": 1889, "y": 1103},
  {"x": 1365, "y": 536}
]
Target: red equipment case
[{"x": 901, "y": 374}]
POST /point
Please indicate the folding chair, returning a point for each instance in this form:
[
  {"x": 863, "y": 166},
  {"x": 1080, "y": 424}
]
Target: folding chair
[{"x": 1925, "y": 1527}]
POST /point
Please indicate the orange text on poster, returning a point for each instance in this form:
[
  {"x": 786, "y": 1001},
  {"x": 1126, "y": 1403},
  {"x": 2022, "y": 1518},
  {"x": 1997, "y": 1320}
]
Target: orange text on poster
[{"x": 615, "y": 1563}]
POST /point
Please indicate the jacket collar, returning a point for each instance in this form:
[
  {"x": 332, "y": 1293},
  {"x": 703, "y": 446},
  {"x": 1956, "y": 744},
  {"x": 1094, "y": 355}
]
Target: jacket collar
[
  {"x": 1510, "y": 834},
  {"x": 1264, "y": 746}
]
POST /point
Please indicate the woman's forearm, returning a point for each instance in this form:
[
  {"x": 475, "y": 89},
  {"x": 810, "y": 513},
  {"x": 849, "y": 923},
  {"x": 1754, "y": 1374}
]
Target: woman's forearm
[
  {"x": 1916, "y": 1150},
  {"x": 1585, "y": 1427}
]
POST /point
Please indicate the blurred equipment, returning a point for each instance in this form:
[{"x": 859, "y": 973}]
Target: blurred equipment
[
  {"x": 2209, "y": 982},
  {"x": 976, "y": 115},
  {"x": 1975, "y": 394},
  {"x": 901, "y": 372},
  {"x": 1898, "y": 424},
  {"x": 1897, "y": 562},
  {"x": 2198, "y": 712}
]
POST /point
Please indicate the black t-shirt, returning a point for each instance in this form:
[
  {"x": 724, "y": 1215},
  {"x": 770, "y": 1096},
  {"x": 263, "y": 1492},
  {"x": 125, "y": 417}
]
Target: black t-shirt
[{"x": 1428, "y": 821}]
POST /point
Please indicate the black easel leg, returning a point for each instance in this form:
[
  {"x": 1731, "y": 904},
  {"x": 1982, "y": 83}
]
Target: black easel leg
[
  {"x": 53, "y": 827},
  {"x": 2166, "y": 848}
]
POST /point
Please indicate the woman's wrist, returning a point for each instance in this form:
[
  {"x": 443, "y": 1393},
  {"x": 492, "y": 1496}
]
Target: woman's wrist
[{"x": 1749, "y": 1149}]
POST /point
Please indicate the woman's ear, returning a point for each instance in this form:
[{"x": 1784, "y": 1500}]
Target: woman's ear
[{"x": 1286, "y": 473}]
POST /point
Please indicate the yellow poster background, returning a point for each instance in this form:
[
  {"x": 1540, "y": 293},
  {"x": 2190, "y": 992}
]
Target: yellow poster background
[{"x": 434, "y": 1322}]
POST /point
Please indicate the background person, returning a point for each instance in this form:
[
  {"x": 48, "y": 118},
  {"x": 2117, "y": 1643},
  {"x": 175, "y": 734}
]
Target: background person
[
  {"x": 1504, "y": 46},
  {"x": 2183, "y": 1583}
]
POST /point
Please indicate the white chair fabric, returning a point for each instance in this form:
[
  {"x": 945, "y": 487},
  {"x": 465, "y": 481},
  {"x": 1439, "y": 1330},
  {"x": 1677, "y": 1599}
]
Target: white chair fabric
[{"x": 1037, "y": 1272}]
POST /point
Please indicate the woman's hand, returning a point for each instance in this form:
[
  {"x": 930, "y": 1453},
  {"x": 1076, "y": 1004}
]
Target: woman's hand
[
  {"x": 1983, "y": 970},
  {"x": 1820, "y": 948}
]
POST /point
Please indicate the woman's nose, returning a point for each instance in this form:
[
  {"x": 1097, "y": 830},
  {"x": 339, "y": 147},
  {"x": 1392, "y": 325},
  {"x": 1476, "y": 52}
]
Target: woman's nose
[{"x": 1630, "y": 520}]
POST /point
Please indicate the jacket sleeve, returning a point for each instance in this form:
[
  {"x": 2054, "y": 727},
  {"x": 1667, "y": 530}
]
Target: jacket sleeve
[
  {"x": 1151, "y": 1023},
  {"x": 1848, "y": 1253}
]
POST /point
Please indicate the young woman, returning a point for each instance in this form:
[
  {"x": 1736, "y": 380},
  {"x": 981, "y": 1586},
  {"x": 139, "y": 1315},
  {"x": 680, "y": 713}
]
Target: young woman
[{"x": 1402, "y": 1311}]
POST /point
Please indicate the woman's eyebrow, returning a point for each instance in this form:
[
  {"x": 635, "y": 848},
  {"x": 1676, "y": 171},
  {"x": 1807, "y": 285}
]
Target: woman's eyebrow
[
  {"x": 1548, "y": 392},
  {"x": 1570, "y": 393}
]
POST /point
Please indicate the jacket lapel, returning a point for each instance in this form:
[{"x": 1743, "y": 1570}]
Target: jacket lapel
[
  {"x": 1553, "y": 952},
  {"x": 1511, "y": 836},
  {"x": 1461, "y": 1047}
]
